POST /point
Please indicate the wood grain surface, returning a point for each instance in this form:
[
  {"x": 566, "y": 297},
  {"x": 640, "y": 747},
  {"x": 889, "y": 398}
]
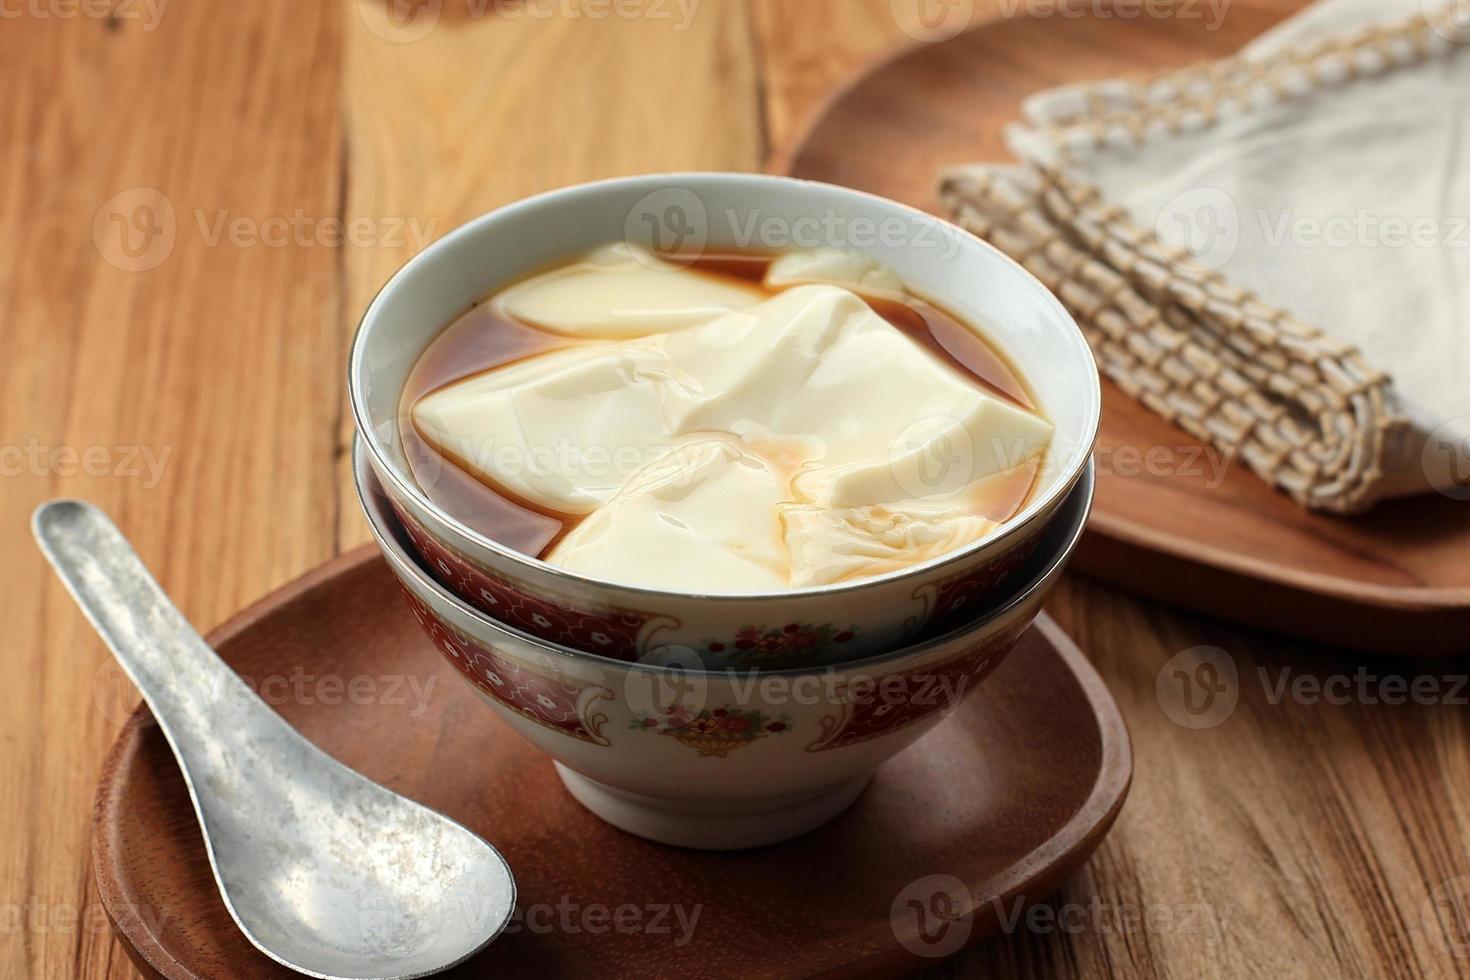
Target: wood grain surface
[{"x": 271, "y": 162}]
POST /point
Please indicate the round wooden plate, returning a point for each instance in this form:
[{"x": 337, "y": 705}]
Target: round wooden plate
[
  {"x": 1167, "y": 522},
  {"x": 1008, "y": 796}
]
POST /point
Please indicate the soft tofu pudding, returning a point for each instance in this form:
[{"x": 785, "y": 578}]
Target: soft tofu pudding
[{"x": 739, "y": 424}]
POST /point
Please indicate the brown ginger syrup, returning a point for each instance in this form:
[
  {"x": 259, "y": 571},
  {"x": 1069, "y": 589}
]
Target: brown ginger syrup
[{"x": 483, "y": 338}]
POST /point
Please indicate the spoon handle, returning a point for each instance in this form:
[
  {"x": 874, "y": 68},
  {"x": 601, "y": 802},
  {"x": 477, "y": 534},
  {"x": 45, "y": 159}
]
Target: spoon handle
[{"x": 193, "y": 694}]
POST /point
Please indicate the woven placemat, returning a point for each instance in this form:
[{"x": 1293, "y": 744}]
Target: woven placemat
[{"x": 1303, "y": 410}]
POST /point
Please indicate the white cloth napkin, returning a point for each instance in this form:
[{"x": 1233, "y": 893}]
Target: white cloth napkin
[{"x": 1325, "y": 170}]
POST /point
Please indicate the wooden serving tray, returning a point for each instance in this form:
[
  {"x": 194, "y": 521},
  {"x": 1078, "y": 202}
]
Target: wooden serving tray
[
  {"x": 1008, "y": 796},
  {"x": 1396, "y": 580}
]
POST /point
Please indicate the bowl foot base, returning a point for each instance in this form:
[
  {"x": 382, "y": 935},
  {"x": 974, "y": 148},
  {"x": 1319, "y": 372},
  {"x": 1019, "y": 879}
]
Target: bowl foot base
[{"x": 716, "y": 825}]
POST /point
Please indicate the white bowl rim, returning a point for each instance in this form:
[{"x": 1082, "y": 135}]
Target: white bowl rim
[
  {"x": 395, "y": 554},
  {"x": 1010, "y": 529}
]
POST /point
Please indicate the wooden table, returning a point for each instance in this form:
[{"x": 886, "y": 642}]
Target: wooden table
[{"x": 195, "y": 205}]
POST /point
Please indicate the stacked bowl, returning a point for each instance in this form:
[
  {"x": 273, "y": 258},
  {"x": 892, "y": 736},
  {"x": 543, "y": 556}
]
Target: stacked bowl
[{"x": 720, "y": 721}]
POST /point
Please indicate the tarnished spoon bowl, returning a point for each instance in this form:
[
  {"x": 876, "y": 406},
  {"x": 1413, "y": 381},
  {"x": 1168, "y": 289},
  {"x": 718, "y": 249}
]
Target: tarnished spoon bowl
[{"x": 323, "y": 870}]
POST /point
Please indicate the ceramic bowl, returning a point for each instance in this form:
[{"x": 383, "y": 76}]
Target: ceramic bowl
[
  {"x": 719, "y": 758},
  {"x": 717, "y": 212}
]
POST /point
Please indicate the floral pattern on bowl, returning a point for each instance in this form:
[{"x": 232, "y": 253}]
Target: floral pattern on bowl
[
  {"x": 579, "y": 622},
  {"x": 948, "y": 602},
  {"x": 715, "y": 733},
  {"x": 873, "y": 707},
  {"x": 551, "y": 702},
  {"x": 610, "y": 633}
]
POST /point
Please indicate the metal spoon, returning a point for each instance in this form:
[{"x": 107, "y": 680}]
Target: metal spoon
[{"x": 323, "y": 870}]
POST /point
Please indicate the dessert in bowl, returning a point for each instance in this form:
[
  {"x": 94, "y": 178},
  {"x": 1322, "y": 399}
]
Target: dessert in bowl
[
  {"x": 812, "y": 425},
  {"x": 719, "y": 758}
]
